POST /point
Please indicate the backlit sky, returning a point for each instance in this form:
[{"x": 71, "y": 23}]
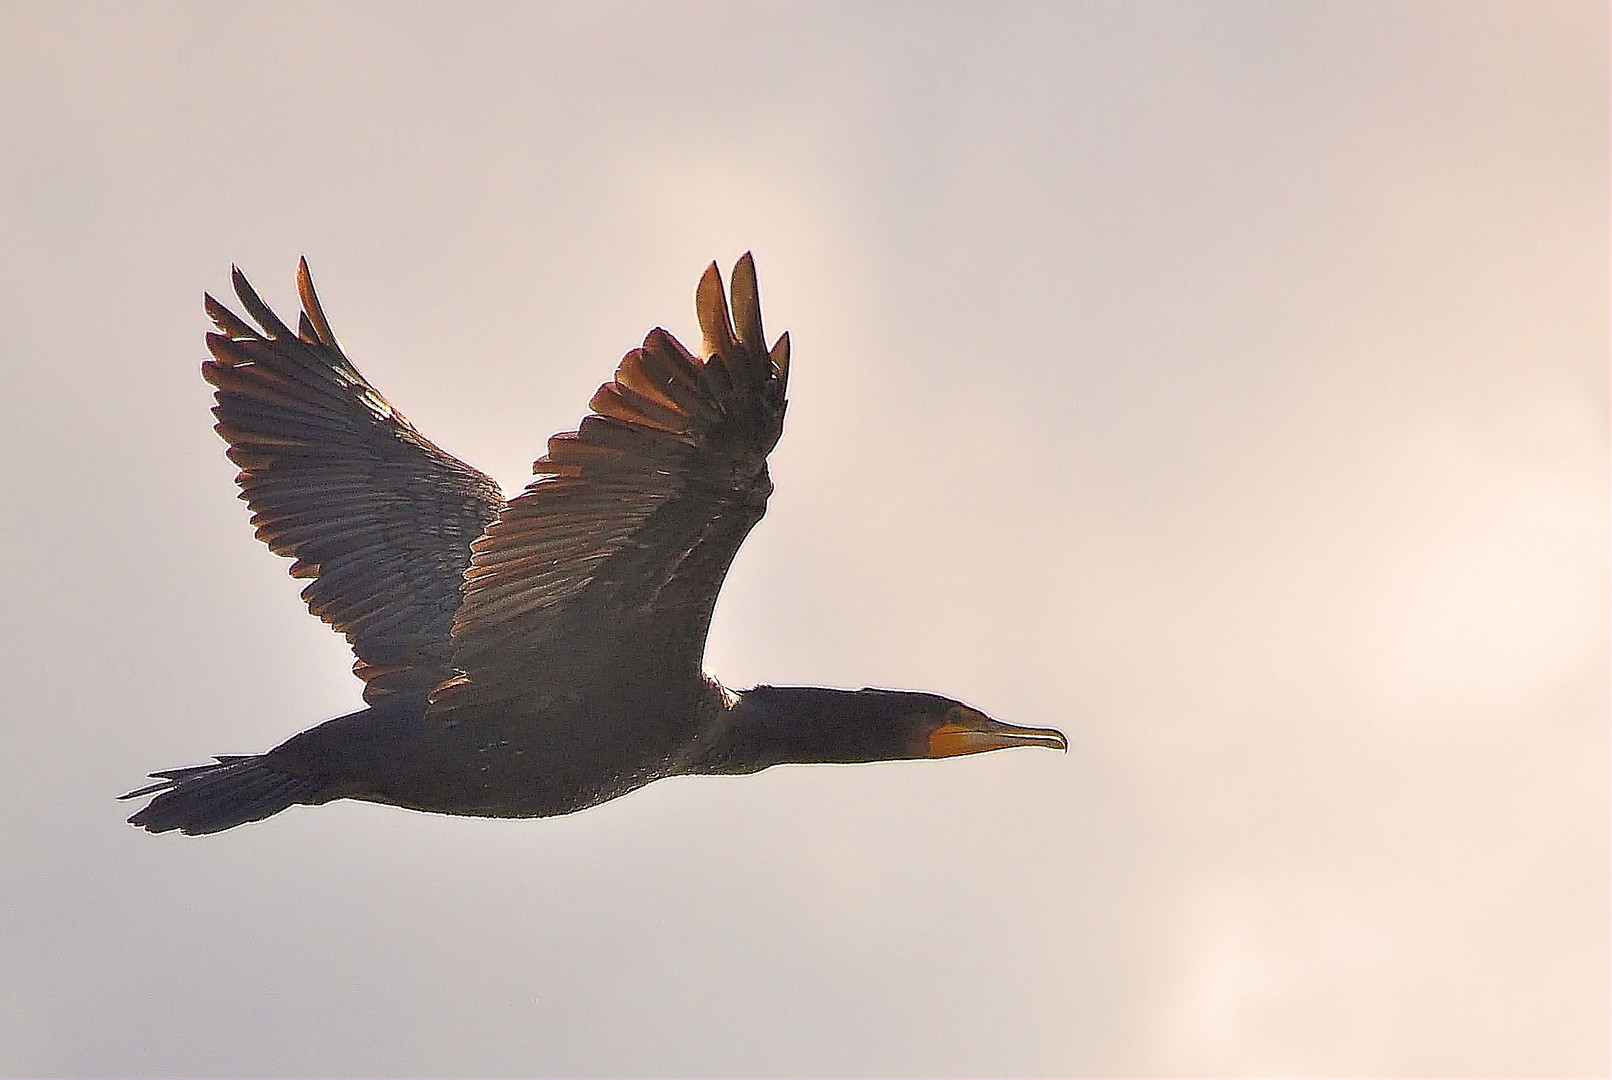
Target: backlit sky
[{"x": 1225, "y": 384}]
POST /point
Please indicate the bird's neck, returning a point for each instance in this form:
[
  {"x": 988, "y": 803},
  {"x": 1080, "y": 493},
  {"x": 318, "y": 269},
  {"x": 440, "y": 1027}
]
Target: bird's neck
[{"x": 777, "y": 725}]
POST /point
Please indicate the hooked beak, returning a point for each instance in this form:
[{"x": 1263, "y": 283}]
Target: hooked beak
[{"x": 977, "y": 733}]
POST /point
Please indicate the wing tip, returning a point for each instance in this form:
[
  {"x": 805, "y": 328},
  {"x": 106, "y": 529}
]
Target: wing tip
[
  {"x": 780, "y": 360},
  {"x": 272, "y": 326},
  {"x": 711, "y": 305},
  {"x": 311, "y": 308},
  {"x": 746, "y": 298}
]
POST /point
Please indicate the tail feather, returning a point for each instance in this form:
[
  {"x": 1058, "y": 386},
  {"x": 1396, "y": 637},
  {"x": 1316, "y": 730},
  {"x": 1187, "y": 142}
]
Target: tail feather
[{"x": 234, "y": 790}]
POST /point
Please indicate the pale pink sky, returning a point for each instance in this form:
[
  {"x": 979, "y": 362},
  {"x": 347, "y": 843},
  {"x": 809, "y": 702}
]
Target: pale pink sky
[{"x": 1225, "y": 384}]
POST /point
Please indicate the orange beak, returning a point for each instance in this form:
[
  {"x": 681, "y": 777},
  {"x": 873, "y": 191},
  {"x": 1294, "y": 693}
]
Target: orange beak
[{"x": 979, "y": 733}]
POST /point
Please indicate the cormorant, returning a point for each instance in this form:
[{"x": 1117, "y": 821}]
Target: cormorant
[{"x": 541, "y": 655}]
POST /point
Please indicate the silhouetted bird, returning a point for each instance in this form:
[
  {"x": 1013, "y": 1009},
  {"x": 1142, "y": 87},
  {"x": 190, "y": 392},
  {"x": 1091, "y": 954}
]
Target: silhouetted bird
[{"x": 542, "y": 655}]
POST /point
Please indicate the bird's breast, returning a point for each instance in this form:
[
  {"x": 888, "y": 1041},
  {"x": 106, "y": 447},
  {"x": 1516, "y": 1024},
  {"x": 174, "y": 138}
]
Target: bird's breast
[{"x": 545, "y": 754}]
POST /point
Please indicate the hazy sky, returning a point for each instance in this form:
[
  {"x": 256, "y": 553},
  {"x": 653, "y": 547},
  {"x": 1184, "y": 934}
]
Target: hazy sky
[{"x": 1223, "y": 383}]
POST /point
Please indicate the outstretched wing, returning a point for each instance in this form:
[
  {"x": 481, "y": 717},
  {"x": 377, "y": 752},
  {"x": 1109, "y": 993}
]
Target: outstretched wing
[
  {"x": 379, "y": 517},
  {"x": 616, "y": 552}
]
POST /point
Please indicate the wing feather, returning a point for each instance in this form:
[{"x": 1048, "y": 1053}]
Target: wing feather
[
  {"x": 621, "y": 542},
  {"x": 378, "y": 517}
]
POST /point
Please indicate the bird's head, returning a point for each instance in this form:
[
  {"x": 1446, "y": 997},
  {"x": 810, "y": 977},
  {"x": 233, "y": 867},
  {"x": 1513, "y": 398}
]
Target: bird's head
[
  {"x": 946, "y": 728},
  {"x": 774, "y": 725}
]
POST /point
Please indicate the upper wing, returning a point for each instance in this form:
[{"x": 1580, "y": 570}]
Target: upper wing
[
  {"x": 620, "y": 545},
  {"x": 377, "y": 515}
]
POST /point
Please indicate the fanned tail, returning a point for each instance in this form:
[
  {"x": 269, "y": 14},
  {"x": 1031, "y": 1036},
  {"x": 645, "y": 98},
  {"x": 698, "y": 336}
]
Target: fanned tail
[{"x": 234, "y": 790}]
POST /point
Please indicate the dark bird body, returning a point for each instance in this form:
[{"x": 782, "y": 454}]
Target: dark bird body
[{"x": 543, "y": 655}]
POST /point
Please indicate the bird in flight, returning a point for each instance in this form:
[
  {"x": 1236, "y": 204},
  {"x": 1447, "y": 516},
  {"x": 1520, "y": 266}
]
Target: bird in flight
[{"x": 541, "y": 655}]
